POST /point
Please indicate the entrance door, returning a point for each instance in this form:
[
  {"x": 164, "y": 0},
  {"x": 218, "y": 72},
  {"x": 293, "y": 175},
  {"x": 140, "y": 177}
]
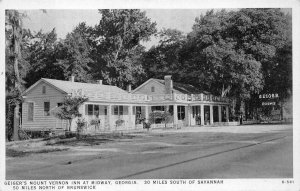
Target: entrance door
[
  {"x": 196, "y": 118},
  {"x": 216, "y": 113},
  {"x": 206, "y": 115}
]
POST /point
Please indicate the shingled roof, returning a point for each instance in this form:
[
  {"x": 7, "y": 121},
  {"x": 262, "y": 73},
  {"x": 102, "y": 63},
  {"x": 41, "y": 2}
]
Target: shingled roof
[
  {"x": 184, "y": 88},
  {"x": 68, "y": 86}
]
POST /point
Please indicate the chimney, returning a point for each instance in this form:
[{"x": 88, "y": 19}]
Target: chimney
[
  {"x": 168, "y": 84},
  {"x": 72, "y": 78},
  {"x": 99, "y": 82},
  {"x": 129, "y": 88}
]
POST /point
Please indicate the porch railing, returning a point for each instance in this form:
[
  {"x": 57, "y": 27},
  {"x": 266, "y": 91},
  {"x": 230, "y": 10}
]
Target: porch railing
[{"x": 128, "y": 97}]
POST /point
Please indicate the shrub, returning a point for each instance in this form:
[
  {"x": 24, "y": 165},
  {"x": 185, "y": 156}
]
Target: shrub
[
  {"x": 81, "y": 123},
  {"x": 119, "y": 122},
  {"x": 160, "y": 116}
]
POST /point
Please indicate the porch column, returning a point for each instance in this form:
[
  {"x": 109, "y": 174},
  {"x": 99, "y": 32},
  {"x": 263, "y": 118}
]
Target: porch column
[
  {"x": 220, "y": 113},
  {"x": 175, "y": 115},
  {"x": 147, "y": 112},
  {"x": 187, "y": 115},
  {"x": 130, "y": 120},
  {"x": 109, "y": 117},
  {"x": 211, "y": 117},
  {"x": 202, "y": 114},
  {"x": 227, "y": 113}
]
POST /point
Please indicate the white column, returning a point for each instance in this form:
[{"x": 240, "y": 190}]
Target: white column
[
  {"x": 211, "y": 117},
  {"x": 220, "y": 113},
  {"x": 202, "y": 114},
  {"x": 147, "y": 112},
  {"x": 187, "y": 115},
  {"x": 109, "y": 117},
  {"x": 227, "y": 113},
  {"x": 130, "y": 117},
  {"x": 175, "y": 115}
]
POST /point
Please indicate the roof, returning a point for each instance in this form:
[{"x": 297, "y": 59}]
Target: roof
[
  {"x": 184, "y": 88},
  {"x": 68, "y": 86}
]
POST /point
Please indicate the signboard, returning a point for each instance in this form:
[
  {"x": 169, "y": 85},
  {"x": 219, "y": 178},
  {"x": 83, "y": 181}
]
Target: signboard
[{"x": 270, "y": 109}]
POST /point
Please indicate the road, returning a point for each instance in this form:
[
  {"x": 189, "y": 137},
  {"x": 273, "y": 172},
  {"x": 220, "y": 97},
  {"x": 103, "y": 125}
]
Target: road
[{"x": 252, "y": 151}]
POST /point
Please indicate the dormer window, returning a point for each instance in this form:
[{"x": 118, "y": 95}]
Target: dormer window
[
  {"x": 152, "y": 89},
  {"x": 44, "y": 90}
]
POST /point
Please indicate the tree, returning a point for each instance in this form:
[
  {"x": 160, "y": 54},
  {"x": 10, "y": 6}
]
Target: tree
[
  {"x": 74, "y": 54},
  {"x": 43, "y": 58},
  {"x": 13, "y": 50},
  {"x": 13, "y": 29},
  {"x": 117, "y": 37},
  {"x": 165, "y": 57},
  {"x": 217, "y": 62},
  {"x": 69, "y": 109}
]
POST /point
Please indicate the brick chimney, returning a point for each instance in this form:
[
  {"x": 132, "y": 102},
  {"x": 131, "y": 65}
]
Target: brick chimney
[
  {"x": 129, "y": 88},
  {"x": 99, "y": 82},
  {"x": 168, "y": 84},
  {"x": 72, "y": 78}
]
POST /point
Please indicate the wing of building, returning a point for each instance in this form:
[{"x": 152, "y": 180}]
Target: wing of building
[{"x": 118, "y": 109}]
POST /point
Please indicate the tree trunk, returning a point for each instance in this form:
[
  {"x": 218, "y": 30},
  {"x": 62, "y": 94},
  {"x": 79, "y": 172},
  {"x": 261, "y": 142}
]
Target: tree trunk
[
  {"x": 16, "y": 122},
  {"x": 17, "y": 56}
]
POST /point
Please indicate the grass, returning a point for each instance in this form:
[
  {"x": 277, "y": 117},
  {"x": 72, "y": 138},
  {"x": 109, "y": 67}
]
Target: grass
[
  {"x": 17, "y": 153},
  {"x": 90, "y": 140}
]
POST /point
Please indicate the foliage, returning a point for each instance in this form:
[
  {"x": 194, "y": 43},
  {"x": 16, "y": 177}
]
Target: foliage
[
  {"x": 164, "y": 58},
  {"x": 117, "y": 38},
  {"x": 75, "y": 51},
  {"x": 44, "y": 53},
  {"x": 81, "y": 124},
  {"x": 16, "y": 39},
  {"x": 69, "y": 109},
  {"x": 119, "y": 122},
  {"x": 95, "y": 122},
  {"x": 13, "y": 49},
  {"x": 162, "y": 116}
]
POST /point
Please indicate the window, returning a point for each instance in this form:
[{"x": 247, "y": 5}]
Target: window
[
  {"x": 44, "y": 90},
  {"x": 105, "y": 110},
  {"x": 157, "y": 108},
  {"x": 46, "y": 108},
  {"x": 152, "y": 89},
  {"x": 96, "y": 110},
  {"x": 90, "y": 109},
  {"x": 30, "y": 111},
  {"x": 181, "y": 112},
  {"x": 118, "y": 110},
  {"x": 138, "y": 109}
]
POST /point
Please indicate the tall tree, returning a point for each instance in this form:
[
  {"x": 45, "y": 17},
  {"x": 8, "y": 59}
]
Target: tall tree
[
  {"x": 13, "y": 49},
  {"x": 75, "y": 52},
  {"x": 165, "y": 57},
  {"x": 43, "y": 57},
  {"x": 14, "y": 39},
  {"x": 118, "y": 36}
]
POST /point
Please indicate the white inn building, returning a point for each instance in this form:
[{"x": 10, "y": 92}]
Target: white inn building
[{"x": 188, "y": 105}]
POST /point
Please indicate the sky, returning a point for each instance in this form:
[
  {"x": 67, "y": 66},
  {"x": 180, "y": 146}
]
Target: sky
[{"x": 64, "y": 21}]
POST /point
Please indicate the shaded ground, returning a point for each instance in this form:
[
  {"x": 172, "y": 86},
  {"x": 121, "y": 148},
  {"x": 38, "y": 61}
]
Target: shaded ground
[{"x": 136, "y": 155}]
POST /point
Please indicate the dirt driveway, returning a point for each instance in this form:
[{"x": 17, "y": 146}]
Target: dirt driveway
[{"x": 72, "y": 158}]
